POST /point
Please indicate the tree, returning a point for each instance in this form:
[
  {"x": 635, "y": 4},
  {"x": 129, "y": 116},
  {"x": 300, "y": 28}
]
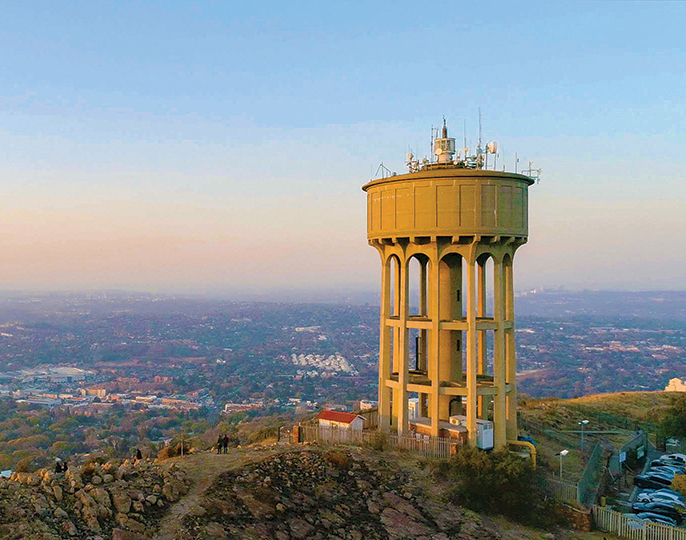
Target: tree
[{"x": 674, "y": 420}]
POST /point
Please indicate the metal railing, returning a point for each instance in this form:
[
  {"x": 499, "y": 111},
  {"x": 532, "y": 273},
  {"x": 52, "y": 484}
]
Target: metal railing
[{"x": 563, "y": 491}]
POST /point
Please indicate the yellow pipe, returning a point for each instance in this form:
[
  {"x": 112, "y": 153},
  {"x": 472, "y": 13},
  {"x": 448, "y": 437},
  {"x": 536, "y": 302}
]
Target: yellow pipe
[{"x": 526, "y": 444}]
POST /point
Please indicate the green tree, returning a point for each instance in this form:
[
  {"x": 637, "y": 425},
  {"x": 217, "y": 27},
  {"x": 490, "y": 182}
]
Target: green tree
[{"x": 674, "y": 420}]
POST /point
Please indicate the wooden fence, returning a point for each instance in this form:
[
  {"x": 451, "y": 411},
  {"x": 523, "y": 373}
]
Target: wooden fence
[
  {"x": 434, "y": 447},
  {"x": 633, "y": 527}
]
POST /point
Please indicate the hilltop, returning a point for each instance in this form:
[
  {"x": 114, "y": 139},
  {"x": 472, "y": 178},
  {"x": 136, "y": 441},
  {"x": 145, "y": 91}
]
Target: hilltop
[{"x": 283, "y": 492}]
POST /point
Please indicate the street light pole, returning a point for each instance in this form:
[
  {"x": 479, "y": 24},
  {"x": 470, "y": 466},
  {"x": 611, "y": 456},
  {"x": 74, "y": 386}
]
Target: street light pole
[
  {"x": 582, "y": 424},
  {"x": 562, "y": 454}
]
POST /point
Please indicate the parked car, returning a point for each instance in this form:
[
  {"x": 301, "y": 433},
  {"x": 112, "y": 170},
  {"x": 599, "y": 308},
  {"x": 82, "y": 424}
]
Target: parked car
[
  {"x": 661, "y": 508},
  {"x": 651, "y": 481},
  {"x": 669, "y": 463},
  {"x": 660, "y": 497},
  {"x": 678, "y": 468},
  {"x": 665, "y": 491},
  {"x": 657, "y": 518},
  {"x": 678, "y": 457},
  {"x": 663, "y": 470}
]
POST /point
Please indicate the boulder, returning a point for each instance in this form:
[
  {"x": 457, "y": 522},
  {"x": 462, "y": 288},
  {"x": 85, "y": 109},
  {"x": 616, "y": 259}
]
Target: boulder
[{"x": 122, "y": 502}]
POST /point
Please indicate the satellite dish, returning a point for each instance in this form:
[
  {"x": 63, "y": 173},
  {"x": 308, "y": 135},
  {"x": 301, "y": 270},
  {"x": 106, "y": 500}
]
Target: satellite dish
[
  {"x": 492, "y": 147},
  {"x": 410, "y": 156},
  {"x": 439, "y": 151}
]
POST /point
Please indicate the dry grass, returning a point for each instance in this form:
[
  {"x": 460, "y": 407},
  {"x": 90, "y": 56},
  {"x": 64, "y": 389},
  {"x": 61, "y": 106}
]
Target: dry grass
[{"x": 641, "y": 406}]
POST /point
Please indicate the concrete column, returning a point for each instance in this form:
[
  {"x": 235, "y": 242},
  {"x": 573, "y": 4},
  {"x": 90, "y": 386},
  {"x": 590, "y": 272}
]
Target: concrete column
[
  {"x": 510, "y": 353},
  {"x": 434, "y": 338},
  {"x": 403, "y": 350},
  {"x": 385, "y": 346},
  {"x": 481, "y": 341},
  {"x": 499, "y": 415},
  {"x": 471, "y": 351}
]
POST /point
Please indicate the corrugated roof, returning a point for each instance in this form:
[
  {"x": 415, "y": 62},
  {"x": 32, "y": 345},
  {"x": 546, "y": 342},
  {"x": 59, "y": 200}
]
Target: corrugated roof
[{"x": 335, "y": 416}]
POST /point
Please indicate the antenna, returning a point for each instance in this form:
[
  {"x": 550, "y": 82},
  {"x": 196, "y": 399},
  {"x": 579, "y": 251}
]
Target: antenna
[
  {"x": 431, "y": 146},
  {"x": 478, "y": 148}
]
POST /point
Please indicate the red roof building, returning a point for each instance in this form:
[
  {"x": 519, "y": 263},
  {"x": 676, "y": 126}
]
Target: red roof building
[{"x": 340, "y": 420}]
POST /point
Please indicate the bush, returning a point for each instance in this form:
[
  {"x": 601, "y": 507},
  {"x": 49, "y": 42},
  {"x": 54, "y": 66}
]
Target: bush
[
  {"x": 24, "y": 465},
  {"x": 679, "y": 483},
  {"x": 378, "y": 441},
  {"x": 337, "y": 458},
  {"x": 168, "y": 452},
  {"x": 498, "y": 482}
]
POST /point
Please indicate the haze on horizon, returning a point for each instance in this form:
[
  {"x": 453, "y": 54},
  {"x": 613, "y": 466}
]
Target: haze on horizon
[{"x": 220, "y": 147}]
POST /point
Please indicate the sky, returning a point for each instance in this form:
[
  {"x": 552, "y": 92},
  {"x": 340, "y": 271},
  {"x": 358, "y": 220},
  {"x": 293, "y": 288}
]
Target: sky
[{"x": 219, "y": 147}]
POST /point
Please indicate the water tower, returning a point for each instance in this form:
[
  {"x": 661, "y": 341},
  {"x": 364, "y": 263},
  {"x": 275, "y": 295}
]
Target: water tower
[{"x": 445, "y": 231}]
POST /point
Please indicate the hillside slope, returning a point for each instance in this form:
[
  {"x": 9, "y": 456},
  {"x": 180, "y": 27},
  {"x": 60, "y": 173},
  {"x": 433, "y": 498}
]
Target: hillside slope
[{"x": 287, "y": 493}]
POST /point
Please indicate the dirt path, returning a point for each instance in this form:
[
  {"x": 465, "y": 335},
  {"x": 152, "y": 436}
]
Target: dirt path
[{"x": 205, "y": 467}]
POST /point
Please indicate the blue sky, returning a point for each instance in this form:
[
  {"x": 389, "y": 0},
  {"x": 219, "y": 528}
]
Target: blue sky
[{"x": 217, "y": 146}]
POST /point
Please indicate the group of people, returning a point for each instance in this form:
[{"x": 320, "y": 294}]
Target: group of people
[
  {"x": 222, "y": 444},
  {"x": 61, "y": 466}
]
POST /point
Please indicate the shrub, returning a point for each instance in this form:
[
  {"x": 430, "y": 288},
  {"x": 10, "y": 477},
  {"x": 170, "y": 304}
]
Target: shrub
[
  {"x": 679, "y": 483},
  {"x": 337, "y": 458},
  {"x": 377, "y": 441},
  {"x": 167, "y": 452},
  {"x": 24, "y": 465},
  {"x": 498, "y": 482}
]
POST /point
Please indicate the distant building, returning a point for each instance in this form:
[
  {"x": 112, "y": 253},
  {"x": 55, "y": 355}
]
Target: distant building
[
  {"x": 367, "y": 404},
  {"x": 676, "y": 385},
  {"x": 231, "y": 408},
  {"x": 340, "y": 420}
]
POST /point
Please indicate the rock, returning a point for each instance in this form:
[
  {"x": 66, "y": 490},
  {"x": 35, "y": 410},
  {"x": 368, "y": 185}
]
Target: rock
[
  {"x": 60, "y": 514},
  {"x": 96, "y": 480},
  {"x": 168, "y": 493},
  {"x": 138, "y": 506},
  {"x": 299, "y": 528},
  {"x": 280, "y": 507},
  {"x": 118, "y": 534},
  {"x": 215, "y": 530},
  {"x": 401, "y": 505},
  {"x": 399, "y": 525},
  {"x": 197, "y": 510},
  {"x": 373, "y": 507},
  {"x": 93, "y": 524},
  {"x": 101, "y": 496},
  {"x": 258, "y": 509},
  {"x": 108, "y": 478},
  {"x": 57, "y": 492},
  {"x": 69, "y": 528},
  {"x": 122, "y": 502},
  {"x": 151, "y": 499}
]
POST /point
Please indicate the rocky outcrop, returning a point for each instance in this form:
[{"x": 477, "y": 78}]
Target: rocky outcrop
[
  {"x": 319, "y": 495},
  {"x": 111, "y": 500}
]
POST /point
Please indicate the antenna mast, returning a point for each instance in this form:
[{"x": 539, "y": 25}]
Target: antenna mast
[{"x": 478, "y": 148}]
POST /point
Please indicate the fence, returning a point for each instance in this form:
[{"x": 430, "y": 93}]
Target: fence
[
  {"x": 590, "y": 479},
  {"x": 615, "y": 465},
  {"x": 563, "y": 492},
  {"x": 434, "y": 447},
  {"x": 564, "y": 438},
  {"x": 632, "y": 527}
]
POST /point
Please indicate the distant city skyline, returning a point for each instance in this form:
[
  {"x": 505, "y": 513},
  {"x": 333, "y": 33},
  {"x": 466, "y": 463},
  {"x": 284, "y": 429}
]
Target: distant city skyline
[{"x": 211, "y": 148}]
